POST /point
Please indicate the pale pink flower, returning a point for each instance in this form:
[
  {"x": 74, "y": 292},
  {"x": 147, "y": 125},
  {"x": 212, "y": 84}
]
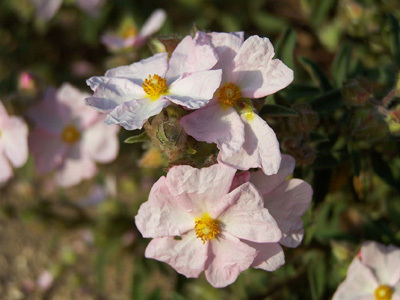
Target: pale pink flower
[
  {"x": 46, "y": 9},
  {"x": 249, "y": 71},
  {"x": 287, "y": 201},
  {"x": 128, "y": 36},
  {"x": 132, "y": 94},
  {"x": 198, "y": 224},
  {"x": 69, "y": 136},
  {"x": 13, "y": 143},
  {"x": 373, "y": 275}
]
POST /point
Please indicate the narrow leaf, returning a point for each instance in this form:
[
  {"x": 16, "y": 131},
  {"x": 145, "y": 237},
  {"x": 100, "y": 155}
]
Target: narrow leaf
[
  {"x": 285, "y": 47},
  {"x": 316, "y": 74},
  {"x": 340, "y": 65},
  {"x": 273, "y": 110},
  {"x": 137, "y": 138}
]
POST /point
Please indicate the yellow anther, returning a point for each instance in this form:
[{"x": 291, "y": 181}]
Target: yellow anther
[
  {"x": 70, "y": 134},
  {"x": 228, "y": 94},
  {"x": 383, "y": 292},
  {"x": 206, "y": 228},
  {"x": 129, "y": 31},
  {"x": 155, "y": 86}
]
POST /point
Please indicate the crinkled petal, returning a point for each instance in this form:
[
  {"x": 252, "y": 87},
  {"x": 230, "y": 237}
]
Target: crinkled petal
[
  {"x": 76, "y": 167},
  {"x": 47, "y": 148},
  {"x": 215, "y": 124},
  {"x": 191, "y": 55},
  {"x": 246, "y": 218},
  {"x": 360, "y": 283},
  {"x": 162, "y": 215},
  {"x": 257, "y": 74},
  {"x": 133, "y": 114},
  {"x": 139, "y": 71},
  {"x": 200, "y": 190},
  {"x": 267, "y": 183},
  {"x": 109, "y": 92},
  {"x": 6, "y": 172},
  {"x": 270, "y": 256},
  {"x": 226, "y": 46},
  {"x": 260, "y": 148},
  {"x": 287, "y": 204},
  {"x": 239, "y": 179},
  {"x": 383, "y": 260},
  {"x": 228, "y": 257},
  {"x": 194, "y": 90},
  {"x": 153, "y": 23},
  {"x": 15, "y": 141},
  {"x": 186, "y": 255},
  {"x": 101, "y": 142}
]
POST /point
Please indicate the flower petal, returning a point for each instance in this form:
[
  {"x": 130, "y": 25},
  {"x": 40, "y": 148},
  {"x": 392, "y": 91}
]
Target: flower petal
[
  {"x": 360, "y": 283},
  {"x": 267, "y": 183},
  {"x": 226, "y": 46},
  {"x": 239, "y": 179},
  {"x": 162, "y": 215},
  {"x": 101, "y": 141},
  {"x": 187, "y": 255},
  {"x": 191, "y": 55},
  {"x": 383, "y": 260},
  {"x": 257, "y": 74},
  {"x": 260, "y": 148},
  {"x": 139, "y": 71},
  {"x": 228, "y": 257},
  {"x": 47, "y": 148},
  {"x": 270, "y": 256},
  {"x": 153, "y": 23},
  {"x": 109, "y": 92},
  {"x": 194, "y": 90},
  {"x": 133, "y": 114},
  {"x": 6, "y": 171},
  {"x": 76, "y": 166},
  {"x": 245, "y": 216},
  {"x": 202, "y": 187},
  {"x": 214, "y": 124},
  {"x": 15, "y": 141}
]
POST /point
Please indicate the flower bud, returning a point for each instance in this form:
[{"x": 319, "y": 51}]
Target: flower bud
[
  {"x": 393, "y": 120},
  {"x": 365, "y": 125},
  {"x": 300, "y": 150},
  {"x": 357, "y": 91},
  {"x": 306, "y": 121}
]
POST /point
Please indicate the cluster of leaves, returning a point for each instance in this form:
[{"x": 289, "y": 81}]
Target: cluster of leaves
[{"x": 336, "y": 119}]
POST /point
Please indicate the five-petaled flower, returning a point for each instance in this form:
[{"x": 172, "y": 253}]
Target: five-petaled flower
[
  {"x": 198, "y": 224},
  {"x": 373, "y": 274},
  {"x": 69, "y": 136},
  {"x": 132, "y": 94},
  {"x": 245, "y": 140},
  {"x": 128, "y": 36},
  {"x": 13, "y": 143}
]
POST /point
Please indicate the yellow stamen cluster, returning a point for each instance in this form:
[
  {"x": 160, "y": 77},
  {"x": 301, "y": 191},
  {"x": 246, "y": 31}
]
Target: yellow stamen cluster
[
  {"x": 383, "y": 292},
  {"x": 206, "y": 228},
  {"x": 155, "y": 86},
  {"x": 129, "y": 31},
  {"x": 70, "y": 134},
  {"x": 228, "y": 94}
]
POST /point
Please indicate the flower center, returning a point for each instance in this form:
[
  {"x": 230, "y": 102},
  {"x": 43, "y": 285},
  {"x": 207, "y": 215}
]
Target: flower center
[
  {"x": 228, "y": 94},
  {"x": 70, "y": 134},
  {"x": 383, "y": 292},
  {"x": 206, "y": 228},
  {"x": 129, "y": 31},
  {"x": 155, "y": 86}
]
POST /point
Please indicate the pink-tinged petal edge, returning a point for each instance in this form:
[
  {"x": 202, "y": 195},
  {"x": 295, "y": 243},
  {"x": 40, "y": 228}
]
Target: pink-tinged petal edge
[
  {"x": 162, "y": 215},
  {"x": 215, "y": 124},
  {"x": 227, "y": 258},
  {"x": 270, "y": 256},
  {"x": 153, "y": 23},
  {"x": 260, "y": 148},
  {"x": 186, "y": 255}
]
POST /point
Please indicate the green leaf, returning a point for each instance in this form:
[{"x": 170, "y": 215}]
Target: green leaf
[
  {"x": 340, "y": 65},
  {"x": 355, "y": 157},
  {"x": 143, "y": 137},
  {"x": 382, "y": 169},
  {"x": 327, "y": 102},
  {"x": 284, "y": 47},
  {"x": 395, "y": 39},
  {"x": 316, "y": 74},
  {"x": 320, "y": 11},
  {"x": 273, "y": 110},
  {"x": 316, "y": 137},
  {"x": 298, "y": 90},
  {"x": 268, "y": 22}
]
